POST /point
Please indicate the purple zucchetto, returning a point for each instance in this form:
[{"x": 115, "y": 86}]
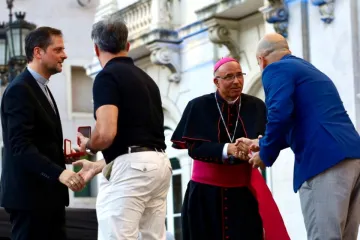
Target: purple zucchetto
[{"x": 223, "y": 61}]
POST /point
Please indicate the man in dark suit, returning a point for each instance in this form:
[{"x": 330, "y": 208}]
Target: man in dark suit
[{"x": 34, "y": 180}]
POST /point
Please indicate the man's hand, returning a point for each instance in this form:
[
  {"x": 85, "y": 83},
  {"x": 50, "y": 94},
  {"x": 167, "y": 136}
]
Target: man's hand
[
  {"x": 83, "y": 142},
  {"x": 255, "y": 146},
  {"x": 89, "y": 169},
  {"x": 237, "y": 152},
  {"x": 243, "y": 144},
  {"x": 72, "y": 180},
  {"x": 249, "y": 144},
  {"x": 256, "y": 161}
]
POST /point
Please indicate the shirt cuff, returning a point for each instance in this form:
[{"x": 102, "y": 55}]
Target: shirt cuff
[{"x": 224, "y": 152}]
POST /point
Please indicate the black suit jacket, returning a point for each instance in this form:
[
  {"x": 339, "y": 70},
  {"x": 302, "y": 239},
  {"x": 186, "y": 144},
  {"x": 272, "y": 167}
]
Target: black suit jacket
[{"x": 33, "y": 148}]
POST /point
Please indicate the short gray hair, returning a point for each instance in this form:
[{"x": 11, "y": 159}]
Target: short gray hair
[{"x": 110, "y": 34}]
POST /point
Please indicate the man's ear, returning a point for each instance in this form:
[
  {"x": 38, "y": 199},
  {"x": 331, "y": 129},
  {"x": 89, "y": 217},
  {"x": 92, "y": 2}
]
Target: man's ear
[
  {"x": 127, "y": 46},
  {"x": 37, "y": 53},
  {"x": 216, "y": 82},
  {"x": 97, "y": 50},
  {"x": 263, "y": 62}
]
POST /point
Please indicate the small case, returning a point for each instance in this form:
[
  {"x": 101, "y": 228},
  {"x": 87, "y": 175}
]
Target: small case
[{"x": 67, "y": 150}]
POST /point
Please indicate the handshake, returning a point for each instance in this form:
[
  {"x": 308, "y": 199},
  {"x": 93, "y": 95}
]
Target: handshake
[
  {"x": 247, "y": 150},
  {"x": 72, "y": 180},
  {"x": 76, "y": 181}
]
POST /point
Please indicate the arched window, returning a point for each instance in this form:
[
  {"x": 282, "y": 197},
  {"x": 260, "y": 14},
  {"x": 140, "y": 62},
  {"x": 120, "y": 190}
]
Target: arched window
[
  {"x": 175, "y": 198},
  {"x": 175, "y": 195}
]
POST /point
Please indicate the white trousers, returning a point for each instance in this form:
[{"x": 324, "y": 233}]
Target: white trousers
[{"x": 133, "y": 198}]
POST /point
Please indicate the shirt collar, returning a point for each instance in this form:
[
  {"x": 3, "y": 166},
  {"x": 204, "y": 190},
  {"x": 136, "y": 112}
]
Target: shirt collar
[
  {"x": 123, "y": 59},
  {"x": 40, "y": 79},
  {"x": 222, "y": 100},
  {"x": 286, "y": 56}
]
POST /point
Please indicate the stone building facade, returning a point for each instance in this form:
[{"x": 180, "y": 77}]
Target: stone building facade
[{"x": 177, "y": 42}]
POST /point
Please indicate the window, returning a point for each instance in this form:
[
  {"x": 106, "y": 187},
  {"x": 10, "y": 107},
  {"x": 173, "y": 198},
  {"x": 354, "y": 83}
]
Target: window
[
  {"x": 81, "y": 90},
  {"x": 177, "y": 203},
  {"x": 175, "y": 198}
]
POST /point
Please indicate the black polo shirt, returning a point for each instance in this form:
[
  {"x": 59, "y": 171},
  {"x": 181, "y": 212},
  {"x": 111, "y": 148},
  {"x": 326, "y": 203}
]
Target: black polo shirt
[{"x": 134, "y": 92}]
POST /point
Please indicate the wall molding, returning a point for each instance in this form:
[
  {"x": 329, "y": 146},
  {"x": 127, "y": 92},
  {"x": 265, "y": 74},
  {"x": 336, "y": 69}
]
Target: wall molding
[
  {"x": 326, "y": 9},
  {"x": 277, "y": 14}
]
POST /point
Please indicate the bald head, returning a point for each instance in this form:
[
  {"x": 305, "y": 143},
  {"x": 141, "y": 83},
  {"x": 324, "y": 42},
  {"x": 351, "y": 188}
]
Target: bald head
[
  {"x": 272, "y": 43},
  {"x": 271, "y": 48}
]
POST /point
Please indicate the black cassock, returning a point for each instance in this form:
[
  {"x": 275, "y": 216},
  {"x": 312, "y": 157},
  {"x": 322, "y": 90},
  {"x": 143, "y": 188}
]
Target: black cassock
[{"x": 212, "y": 212}]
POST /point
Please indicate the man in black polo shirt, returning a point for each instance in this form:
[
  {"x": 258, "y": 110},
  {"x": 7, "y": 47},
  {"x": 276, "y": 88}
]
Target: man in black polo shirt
[{"x": 129, "y": 131}]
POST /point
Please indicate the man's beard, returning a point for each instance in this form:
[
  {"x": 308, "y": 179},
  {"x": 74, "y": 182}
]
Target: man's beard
[{"x": 53, "y": 70}]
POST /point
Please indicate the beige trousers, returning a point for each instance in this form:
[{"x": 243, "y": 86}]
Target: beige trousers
[{"x": 133, "y": 198}]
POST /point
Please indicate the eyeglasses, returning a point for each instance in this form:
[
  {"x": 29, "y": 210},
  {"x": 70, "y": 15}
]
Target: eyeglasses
[{"x": 231, "y": 77}]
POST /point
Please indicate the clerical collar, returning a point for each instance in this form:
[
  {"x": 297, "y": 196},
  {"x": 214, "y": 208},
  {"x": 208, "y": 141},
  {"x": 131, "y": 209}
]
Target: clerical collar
[
  {"x": 221, "y": 99},
  {"x": 232, "y": 102},
  {"x": 40, "y": 79}
]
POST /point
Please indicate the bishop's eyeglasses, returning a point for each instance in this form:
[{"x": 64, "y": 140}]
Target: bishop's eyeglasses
[{"x": 231, "y": 77}]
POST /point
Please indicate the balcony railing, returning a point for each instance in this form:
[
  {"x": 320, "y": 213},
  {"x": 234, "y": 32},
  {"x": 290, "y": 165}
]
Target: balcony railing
[{"x": 137, "y": 17}]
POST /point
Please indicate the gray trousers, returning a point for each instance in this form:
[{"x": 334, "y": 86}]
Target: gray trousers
[{"x": 330, "y": 202}]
